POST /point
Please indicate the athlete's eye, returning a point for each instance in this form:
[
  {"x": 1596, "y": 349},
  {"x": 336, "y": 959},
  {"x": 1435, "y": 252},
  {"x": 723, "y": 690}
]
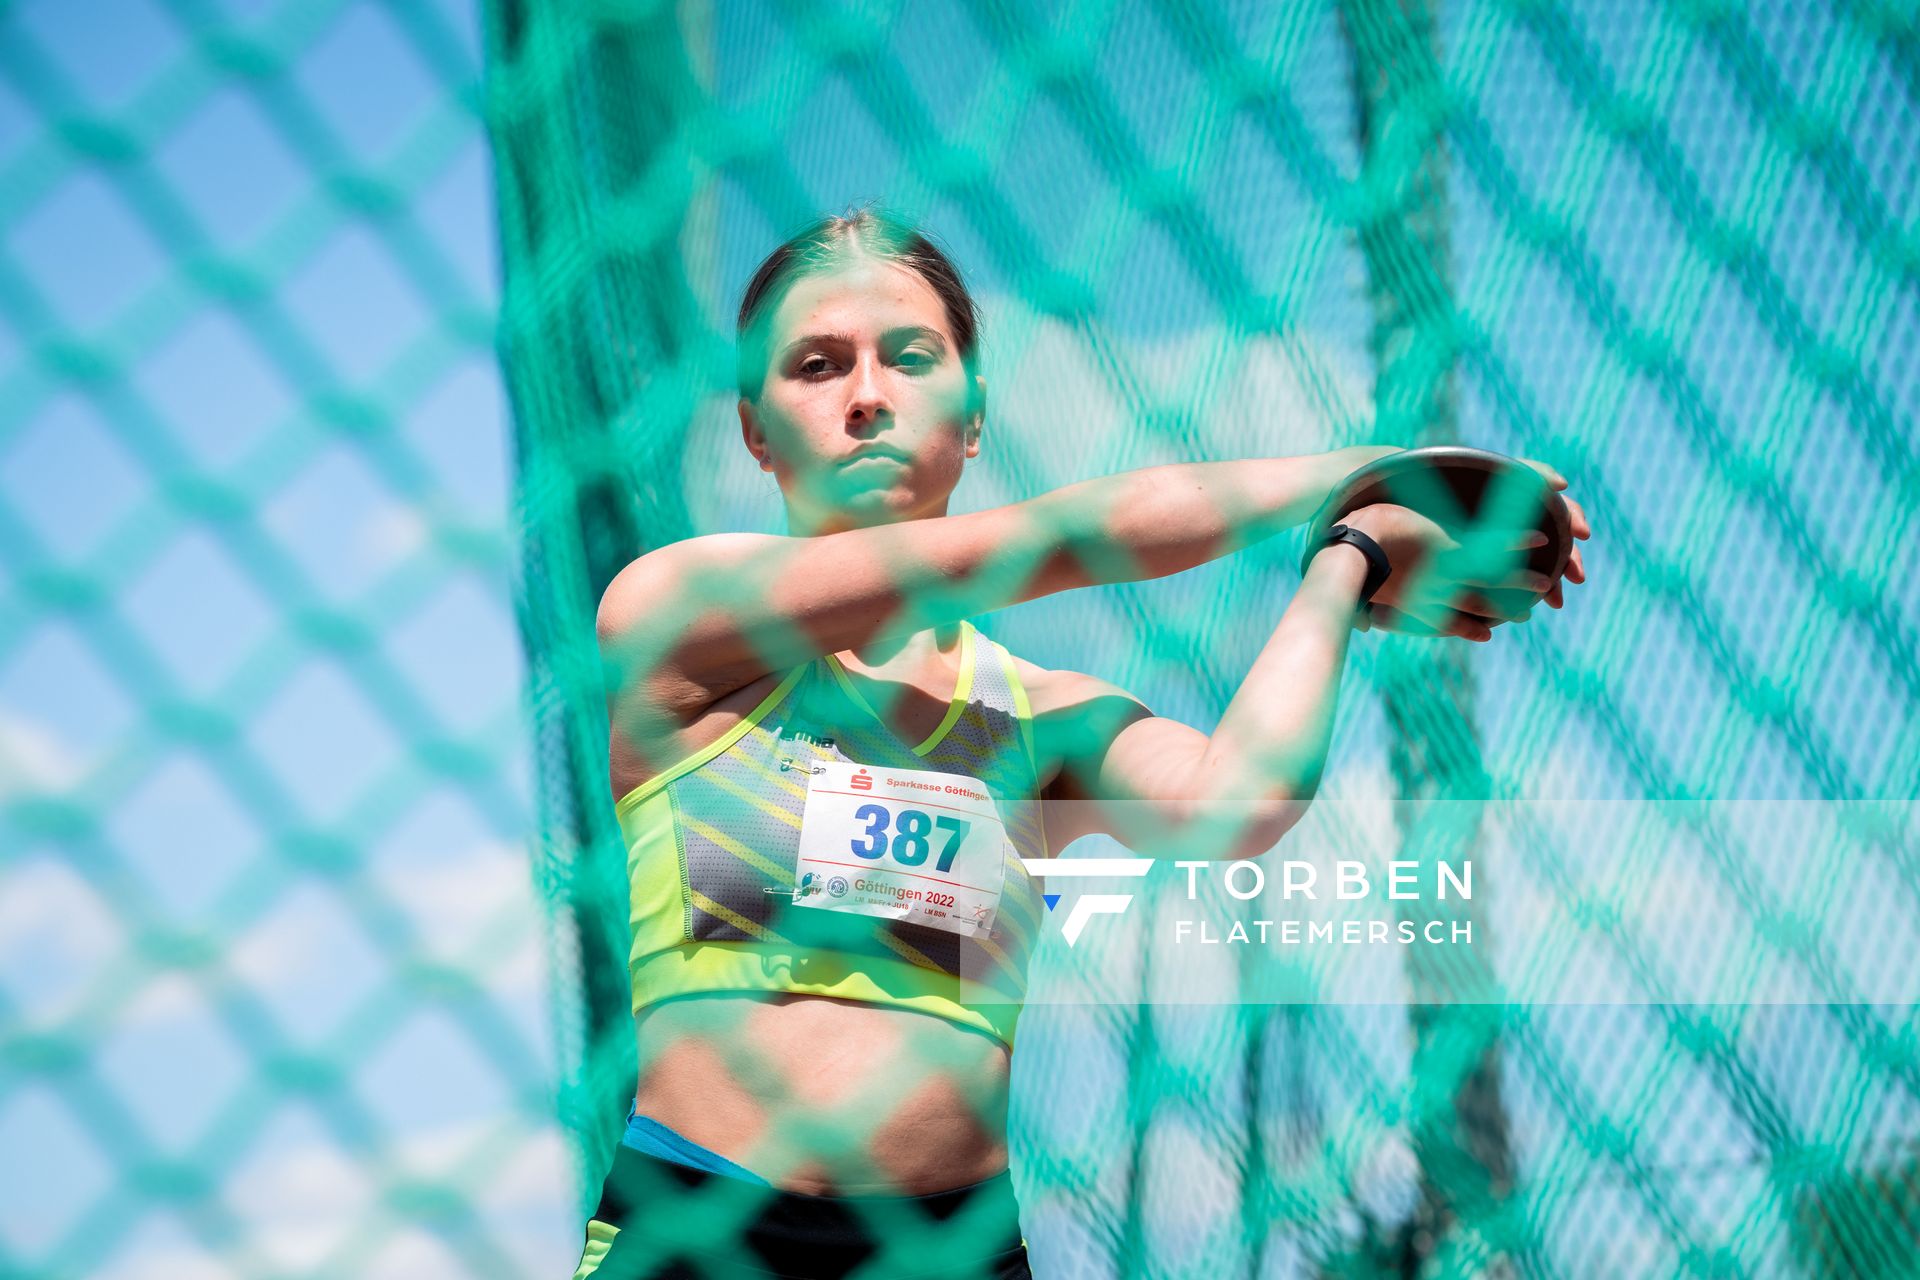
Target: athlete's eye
[
  {"x": 915, "y": 359},
  {"x": 813, "y": 364}
]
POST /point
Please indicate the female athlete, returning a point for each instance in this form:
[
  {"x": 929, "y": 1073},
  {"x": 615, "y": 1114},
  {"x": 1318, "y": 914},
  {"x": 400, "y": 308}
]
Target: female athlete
[{"x": 826, "y": 776}]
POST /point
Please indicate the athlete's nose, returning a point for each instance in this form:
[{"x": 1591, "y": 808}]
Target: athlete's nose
[{"x": 867, "y": 402}]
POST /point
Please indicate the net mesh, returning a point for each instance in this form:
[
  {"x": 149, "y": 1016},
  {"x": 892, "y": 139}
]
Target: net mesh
[
  {"x": 1663, "y": 246},
  {"x": 1666, "y": 247},
  {"x": 271, "y": 980}
]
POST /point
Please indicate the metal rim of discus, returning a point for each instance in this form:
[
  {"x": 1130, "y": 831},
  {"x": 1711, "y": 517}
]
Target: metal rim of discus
[{"x": 1458, "y": 487}]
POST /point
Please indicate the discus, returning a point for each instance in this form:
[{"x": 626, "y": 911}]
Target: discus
[{"x": 1462, "y": 490}]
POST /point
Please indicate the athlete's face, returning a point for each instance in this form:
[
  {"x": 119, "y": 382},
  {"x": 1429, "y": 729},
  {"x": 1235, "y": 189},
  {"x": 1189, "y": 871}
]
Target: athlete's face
[{"x": 863, "y": 416}]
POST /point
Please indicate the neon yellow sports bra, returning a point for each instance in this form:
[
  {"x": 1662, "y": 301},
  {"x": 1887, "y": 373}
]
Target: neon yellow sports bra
[{"x": 712, "y": 841}]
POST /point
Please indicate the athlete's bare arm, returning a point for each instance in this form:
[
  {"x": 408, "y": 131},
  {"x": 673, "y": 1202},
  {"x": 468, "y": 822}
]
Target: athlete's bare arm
[
  {"x": 1108, "y": 765},
  {"x": 684, "y": 625},
  {"x": 1164, "y": 788}
]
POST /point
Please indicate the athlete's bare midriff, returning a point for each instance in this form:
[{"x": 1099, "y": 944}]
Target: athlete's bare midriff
[
  {"x": 824, "y": 1096},
  {"x": 818, "y": 1095}
]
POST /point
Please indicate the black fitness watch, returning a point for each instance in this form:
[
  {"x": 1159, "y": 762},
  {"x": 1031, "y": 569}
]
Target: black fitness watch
[{"x": 1378, "y": 567}]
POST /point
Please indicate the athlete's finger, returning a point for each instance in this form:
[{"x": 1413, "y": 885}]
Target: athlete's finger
[
  {"x": 1450, "y": 612},
  {"x": 1413, "y": 623},
  {"x": 1471, "y": 602},
  {"x": 1520, "y": 580},
  {"x": 1435, "y": 596},
  {"x": 1488, "y": 555},
  {"x": 1388, "y": 618},
  {"x": 1576, "y": 567},
  {"x": 1468, "y": 628},
  {"x": 1581, "y": 527},
  {"x": 1553, "y": 477}
]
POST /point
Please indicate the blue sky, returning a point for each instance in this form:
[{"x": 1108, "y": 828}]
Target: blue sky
[{"x": 295, "y": 503}]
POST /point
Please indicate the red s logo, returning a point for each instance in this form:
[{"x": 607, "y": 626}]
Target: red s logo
[{"x": 862, "y": 781}]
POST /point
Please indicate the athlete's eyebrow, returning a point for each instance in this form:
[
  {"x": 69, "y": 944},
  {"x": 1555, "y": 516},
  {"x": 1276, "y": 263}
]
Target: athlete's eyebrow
[{"x": 837, "y": 338}]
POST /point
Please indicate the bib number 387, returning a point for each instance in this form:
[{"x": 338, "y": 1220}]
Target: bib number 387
[
  {"x": 904, "y": 844},
  {"x": 912, "y": 837}
]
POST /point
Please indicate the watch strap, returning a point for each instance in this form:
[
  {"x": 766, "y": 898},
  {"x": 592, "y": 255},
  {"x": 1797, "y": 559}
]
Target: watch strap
[{"x": 1379, "y": 568}]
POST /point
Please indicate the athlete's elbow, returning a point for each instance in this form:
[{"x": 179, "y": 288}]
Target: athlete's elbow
[
  {"x": 1246, "y": 830},
  {"x": 1268, "y": 823},
  {"x": 1270, "y": 828}
]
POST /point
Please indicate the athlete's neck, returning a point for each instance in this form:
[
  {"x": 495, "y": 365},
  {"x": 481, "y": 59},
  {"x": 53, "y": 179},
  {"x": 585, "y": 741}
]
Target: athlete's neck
[
  {"x": 804, "y": 522},
  {"x": 917, "y": 649}
]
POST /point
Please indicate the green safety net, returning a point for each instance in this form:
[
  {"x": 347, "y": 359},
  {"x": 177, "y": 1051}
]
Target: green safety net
[
  {"x": 1667, "y": 247},
  {"x": 271, "y": 976}
]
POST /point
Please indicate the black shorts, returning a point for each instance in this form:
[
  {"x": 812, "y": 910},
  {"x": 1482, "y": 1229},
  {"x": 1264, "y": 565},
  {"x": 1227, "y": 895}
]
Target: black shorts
[{"x": 661, "y": 1220}]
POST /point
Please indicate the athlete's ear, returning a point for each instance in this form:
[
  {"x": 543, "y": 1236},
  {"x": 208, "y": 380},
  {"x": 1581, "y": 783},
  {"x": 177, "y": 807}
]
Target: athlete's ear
[
  {"x": 756, "y": 438},
  {"x": 976, "y": 417}
]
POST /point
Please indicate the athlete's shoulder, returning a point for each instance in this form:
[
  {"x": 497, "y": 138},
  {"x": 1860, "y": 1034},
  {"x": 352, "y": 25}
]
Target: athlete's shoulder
[
  {"x": 666, "y": 571},
  {"x": 1077, "y": 717},
  {"x": 1057, "y": 690}
]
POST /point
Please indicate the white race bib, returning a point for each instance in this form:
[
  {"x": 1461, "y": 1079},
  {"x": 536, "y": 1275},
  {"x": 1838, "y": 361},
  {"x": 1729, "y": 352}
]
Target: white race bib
[{"x": 904, "y": 844}]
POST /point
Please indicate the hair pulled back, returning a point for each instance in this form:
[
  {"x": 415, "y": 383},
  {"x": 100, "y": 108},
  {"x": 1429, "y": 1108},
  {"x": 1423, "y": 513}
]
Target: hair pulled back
[{"x": 866, "y": 232}]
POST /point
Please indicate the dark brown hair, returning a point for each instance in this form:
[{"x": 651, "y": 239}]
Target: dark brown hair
[{"x": 831, "y": 241}]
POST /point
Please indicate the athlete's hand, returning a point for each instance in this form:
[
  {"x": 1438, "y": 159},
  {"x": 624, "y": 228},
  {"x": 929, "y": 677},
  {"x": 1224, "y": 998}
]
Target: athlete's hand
[
  {"x": 1576, "y": 570},
  {"x": 1437, "y": 577}
]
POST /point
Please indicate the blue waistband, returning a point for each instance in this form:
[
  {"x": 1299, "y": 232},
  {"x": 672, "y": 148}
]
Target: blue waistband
[{"x": 647, "y": 1134}]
